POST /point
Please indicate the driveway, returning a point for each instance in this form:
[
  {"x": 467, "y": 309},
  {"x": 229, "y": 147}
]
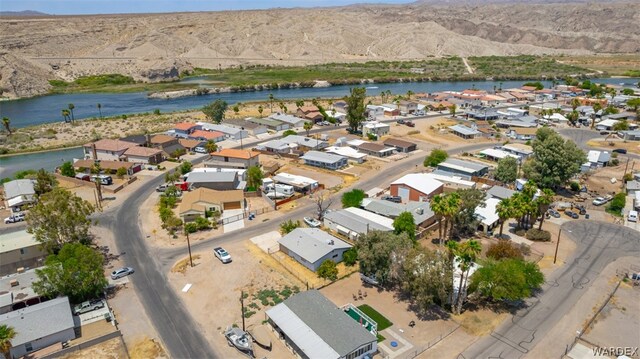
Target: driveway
[{"x": 598, "y": 244}]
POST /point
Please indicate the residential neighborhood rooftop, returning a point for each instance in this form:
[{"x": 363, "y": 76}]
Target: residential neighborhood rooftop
[
  {"x": 312, "y": 243},
  {"x": 108, "y": 144},
  {"x": 321, "y": 157},
  {"x": 19, "y": 187},
  {"x": 235, "y": 153},
  {"x": 420, "y": 182}
]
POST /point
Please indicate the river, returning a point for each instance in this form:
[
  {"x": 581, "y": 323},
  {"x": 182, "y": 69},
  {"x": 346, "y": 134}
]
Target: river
[{"x": 49, "y": 160}]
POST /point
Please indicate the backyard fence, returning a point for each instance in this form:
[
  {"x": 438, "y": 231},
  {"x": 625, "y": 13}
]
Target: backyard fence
[{"x": 243, "y": 215}]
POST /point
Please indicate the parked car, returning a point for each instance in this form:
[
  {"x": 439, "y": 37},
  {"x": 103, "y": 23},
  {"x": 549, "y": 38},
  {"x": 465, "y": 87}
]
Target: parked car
[
  {"x": 162, "y": 187},
  {"x": 222, "y": 255},
  {"x": 571, "y": 214},
  {"x": 122, "y": 272},
  {"x": 87, "y": 306},
  {"x": 369, "y": 279},
  {"x": 410, "y": 124},
  {"x": 554, "y": 213},
  {"x": 581, "y": 209},
  {"x": 604, "y": 132},
  {"x": 199, "y": 150},
  {"x": 312, "y": 222},
  {"x": 633, "y": 216},
  {"x": 396, "y": 199},
  {"x": 599, "y": 201},
  {"x": 14, "y": 218},
  {"x": 400, "y": 121},
  {"x": 620, "y": 150}
]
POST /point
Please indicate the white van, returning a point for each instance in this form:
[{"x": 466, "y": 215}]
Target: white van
[{"x": 633, "y": 216}]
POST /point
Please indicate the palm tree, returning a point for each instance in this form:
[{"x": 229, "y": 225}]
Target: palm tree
[
  {"x": 383, "y": 95},
  {"x": 299, "y": 103},
  {"x": 271, "y": 98},
  {"x": 282, "y": 107},
  {"x": 409, "y": 94},
  {"x": 543, "y": 201},
  {"x": 451, "y": 209},
  {"x": 96, "y": 169},
  {"x": 65, "y": 115},
  {"x": 307, "y": 127},
  {"x": 6, "y": 122},
  {"x": 575, "y": 103},
  {"x": 71, "y": 107},
  {"x": 446, "y": 206},
  {"x": 504, "y": 209},
  {"x": 438, "y": 208},
  {"x": 260, "y": 109},
  {"x": 7, "y": 333},
  {"x": 210, "y": 146},
  {"x": 466, "y": 254},
  {"x": 100, "y": 110}
]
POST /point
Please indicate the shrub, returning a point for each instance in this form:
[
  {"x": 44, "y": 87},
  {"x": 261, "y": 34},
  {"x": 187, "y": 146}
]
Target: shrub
[
  {"x": 328, "y": 270},
  {"x": 202, "y": 223},
  {"x": 435, "y": 157},
  {"x": 615, "y": 162},
  {"x": 350, "y": 257},
  {"x": 191, "y": 227},
  {"x": 627, "y": 177},
  {"x": 535, "y": 234},
  {"x": 617, "y": 203},
  {"x": 504, "y": 249},
  {"x": 288, "y": 226},
  {"x": 575, "y": 186}
]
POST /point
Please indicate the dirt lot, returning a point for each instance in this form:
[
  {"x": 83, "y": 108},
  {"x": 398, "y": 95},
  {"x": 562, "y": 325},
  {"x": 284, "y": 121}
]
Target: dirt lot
[
  {"x": 215, "y": 304},
  {"x": 631, "y": 146},
  {"x": 111, "y": 349},
  {"x": 600, "y": 179}
]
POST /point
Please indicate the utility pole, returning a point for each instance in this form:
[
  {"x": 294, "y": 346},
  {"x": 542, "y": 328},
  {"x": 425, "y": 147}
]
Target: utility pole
[
  {"x": 626, "y": 167},
  {"x": 555, "y": 256},
  {"x": 242, "y": 308},
  {"x": 189, "y": 246}
]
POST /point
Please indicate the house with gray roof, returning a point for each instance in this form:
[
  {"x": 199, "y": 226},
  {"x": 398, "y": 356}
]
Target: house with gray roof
[
  {"x": 462, "y": 168},
  {"x": 231, "y": 133},
  {"x": 422, "y": 214},
  {"x": 352, "y": 222},
  {"x": 18, "y": 193},
  {"x": 251, "y": 127},
  {"x": 219, "y": 181},
  {"x": 292, "y": 142},
  {"x": 312, "y": 246},
  {"x": 270, "y": 123},
  {"x": 500, "y": 192},
  {"x": 324, "y": 160},
  {"x": 464, "y": 131},
  {"x": 39, "y": 326},
  {"x": 314, "y": 327},
  {"x": 293, "y": 121}
]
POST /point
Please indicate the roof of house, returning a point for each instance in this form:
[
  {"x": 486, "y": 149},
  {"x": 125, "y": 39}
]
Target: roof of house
[
  {"x": 193, "y": 199},
  {"x": 496, "y": 153},
  {"x": 607, "y": 123},
  {"x": 374, "y": 147},
  {"x": 283, "y": 117},
  {"x": 295, "y": 180},
  {"x": 108, "y": 144},
  {"x": 184, "y": 126},
  {"x": 318, "y": 327},
  {"x": 16, "y": 240},
  {"x": 519, "y": 147},
  {"x": 375, "y": 124},
  {"x": 359, "y": 220},
  {"x": 209, "y": 135},
  {"x": 312, "y": 115},
  {"x": 107, "y": 165},
  {"x": 19, "y": 187},
  {"x": 346, "y": 152},
  {"x": 286, "y": 142},
  {"x": 487, "y": 214},
  {"x": 322, "y": 157},
  {"x": 23, "y": 291},
  {"x": 235, "y": 153},
  {"x": 312, "y": 244},
  {"x": 525, "y": 130},
  {"x": 419, "y": 182},
  {"x": 202, "y": 177},
  {"x": 500, "y": 192},
  {"x": 421, "y": 211},
  {"x": 467, "y": 131},
  {"x": 161, "y": 139},
  {"x": 139, "y": 139},
  {"x": 142, "y": 151},
  {"x": 461, "y": 165},
  {"x": 446, "y": 177},
  {"x": 39, "y": 320},
  {"x": 246, "y": 123},
  {"x": 266, "y": 121},
  {"x": 633, "y": 185},
  {"x": 398, "y": 143},
  {"x": 189, "y": 143},
  {"x": 220, "y": 128},
  {"x": 307, "y": 109},
  {"x": 598, "y": 156}
]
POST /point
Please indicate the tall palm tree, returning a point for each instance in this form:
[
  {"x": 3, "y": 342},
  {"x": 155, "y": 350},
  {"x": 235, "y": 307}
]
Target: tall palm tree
[
  {"x": 409, "y": 94},
  {"x": 65, "y": 115},
  {"x": 7, "y": 334},
  {"x": 438, "y": 208},
  {"x": 575, "y": 103},
  {"x": 383, "y": 95},
  {"x": 504, "y": 209},
  {"x": 100, "y": 110},
  {"x": 271, "y": 98},
  {"x": 299, "y": 103},
  {"x": 466, "y": 254},
  {"x": 452, "y": 207},
  {"x": 6, "y": 123},
  {"x": 543, "y": 201},
  {"x": 260, "y": 109},
  {"x": 71, "y": 107}
]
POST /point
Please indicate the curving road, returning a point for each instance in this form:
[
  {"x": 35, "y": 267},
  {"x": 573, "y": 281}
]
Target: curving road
[{"x": 598, "y": 244}]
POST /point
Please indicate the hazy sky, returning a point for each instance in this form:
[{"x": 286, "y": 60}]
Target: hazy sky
[{"x": 61, "y": 7}]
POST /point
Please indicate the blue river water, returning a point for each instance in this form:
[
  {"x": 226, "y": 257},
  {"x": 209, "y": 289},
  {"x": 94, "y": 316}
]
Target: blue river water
[{"x": 44, "y": 109}]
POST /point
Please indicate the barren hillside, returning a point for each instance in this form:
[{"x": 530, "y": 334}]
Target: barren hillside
[{"x": 158, "y": 46}]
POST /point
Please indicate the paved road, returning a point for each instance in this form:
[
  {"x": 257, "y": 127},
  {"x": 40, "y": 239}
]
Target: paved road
[
  {"x": 598, "y": 244},
  {"x": 583, "y": 135}
]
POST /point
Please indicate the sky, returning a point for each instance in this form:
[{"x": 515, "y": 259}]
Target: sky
[{"x": 83, "y": 7}]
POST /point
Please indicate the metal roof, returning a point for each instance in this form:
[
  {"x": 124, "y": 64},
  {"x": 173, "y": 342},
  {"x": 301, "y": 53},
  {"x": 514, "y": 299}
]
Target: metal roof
[
  {"x": 393, "y": 210},
  {"x": 15, "y": 240},
  {"x": 322, "y": 157},
  {"x": 312, "y": 243},
  {"x": 467, "y": 131},
  {"x": 465, "y": 166},
  {"x": 20, "y": 187},
  {"x": 39, "y": 321},
  {"x": 500, "y": 192},
  {"x": 352, "y": 219},
  {"x": 318, "y": 327},
  {"x": 420, "y": 182},
  {"x": 199, "y": 177}
]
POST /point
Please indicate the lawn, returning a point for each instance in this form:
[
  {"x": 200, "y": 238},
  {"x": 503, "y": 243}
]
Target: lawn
[{"x": 383, "y": 323}]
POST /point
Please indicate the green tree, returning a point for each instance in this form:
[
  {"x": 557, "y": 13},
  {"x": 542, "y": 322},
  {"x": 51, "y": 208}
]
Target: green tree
[
  {"x": 353, "y": 198},
  {"x": 60, "y": 217},
  {"x": 355, "y": 107},
  {"x": 504, "y": 249},
  {"x": 328, "y": 270},
  {"x": 575, "y": 103},
  {"x": 172, "y": 177},
  {"x": 260, "y": 110},
  {"x": 202, "y": 223},
  {"x": 409, "y": 94},
  {"x": 236, "y": 109},
  {"x": 178, "y": 152},
  {"x": 307, "y": 127},
  {"x": 65, "y": 115},
  {"x": 504, "y": 210},
  {"x": 542, "y": 202},
  {"x": 405, "y": 223},
  {"x": 507, "y": 279},
  {"x": 185, "y": 167},
  {"x": 350, "y": 256},
  {"x": 6, "y": 123},
  {"x": 76, "y": 271},
  {"x": 254, "y": 177},
  {"x": 426, "y": 276},
  {"x": 627, "y": 92},
  {"x": 299, "y": 103},
  {"x": 621, "y": 126},
  {"x": 634, "y": 104},
  {"x": 507, "y": 170},
  {"x": 379, "y": 253},
  {"x": 215, "y": 110},
  {"x": 71, "y": 107},
  {"x": 271, "y": 99},
  {"x": 453, "y": 109},
  {"x": 465, "y": 255},
  {"x": 67, "y": 169},
  {"x": 121, "y": 172},
  {"x": 446, "y": 206},
  {"x": 45, "y": 182},
  {"x": 537, "y": 84},
  {"x": 289, "y": 133},
  {"x": 464, "y": 221},
  {"x": 610, "y": 110},
  {"x": 99, "y": 110},
  {"x": 435, "y": 157},
  {"x": 617, "y": 203},
  {"x": 554, "y": 160},
  {"x": 210, "y": 146},
  {"x": 7, "y": 334},
  {"x": 288, "y": 226},
  {"x": 573, "y": 117}
]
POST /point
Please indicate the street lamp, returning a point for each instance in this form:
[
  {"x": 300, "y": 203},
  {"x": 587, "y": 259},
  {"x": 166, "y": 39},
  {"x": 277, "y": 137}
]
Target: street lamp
[
  {"x": 555, "y": 256},
  {"x": 189, "y": 246},
  {"x": 241, "y": 135}
]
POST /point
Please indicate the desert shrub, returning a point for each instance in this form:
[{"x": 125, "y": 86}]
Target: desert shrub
[
  {"x": 191, "y": 227},
  {"x": 535, "y": 234},
  {"x": 504, "y": 249},
  {"x": 617, "y": 203},
  {"x": 350, "y": 256},
  {"x": 575, "y": 186},
  {"x": 328, "y": 270}
]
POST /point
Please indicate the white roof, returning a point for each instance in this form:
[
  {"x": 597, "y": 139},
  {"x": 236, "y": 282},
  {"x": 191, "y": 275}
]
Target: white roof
[
  {"x": 464, "y": 130},
  {"x": 375, "y": 125},
  {"x": 607, "y": 123},
  {"x": 288, "y": 178},
  {"x": 558, "y": 117},
  {"x": 487, "y": 214},
  {"x": 346, "y": 152},
  {"x": 293, "y": 120},
  {"x": 19, "y": 187},
  {"x": 420, "y": 182},
  {"x": 311, "y": 244},
  {"x": 39, "y": 320},
  {"x": 451, "y": 179},
  {"x": 383, "y": 221},
  {"x": 598, "y": 156},
  {"x": 519, "y": 147},
  {"x": 492, "y": 152},
  {"x": 16, "y": 240},
  {"x": 355, "y": 142}
]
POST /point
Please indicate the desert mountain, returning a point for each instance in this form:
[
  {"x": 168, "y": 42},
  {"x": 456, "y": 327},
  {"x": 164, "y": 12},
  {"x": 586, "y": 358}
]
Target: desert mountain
[{"x": 159, "y": 46}]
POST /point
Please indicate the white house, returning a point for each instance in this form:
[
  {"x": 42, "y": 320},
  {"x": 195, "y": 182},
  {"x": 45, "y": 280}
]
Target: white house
[
  {"x": 18, "y": 193},
  {"x": 487, "y": 215},
  {"x": 375, "y": 128},
  {"x": 351, "y": 154},
  {"x": 596, "y": 159},
  {"x": 312, "y": 246}
]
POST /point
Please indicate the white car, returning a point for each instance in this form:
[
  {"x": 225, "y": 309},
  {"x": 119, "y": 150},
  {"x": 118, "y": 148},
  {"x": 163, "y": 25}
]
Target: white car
[
  {"x": 14, "y": 218},
  {"x": 312, "y": 222},
  {"x": 222, "y": 255},
  {"x": 633, "y": 216},
  {"x": 122, "y": 272},
  {"x": 599, "y": 201}
]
